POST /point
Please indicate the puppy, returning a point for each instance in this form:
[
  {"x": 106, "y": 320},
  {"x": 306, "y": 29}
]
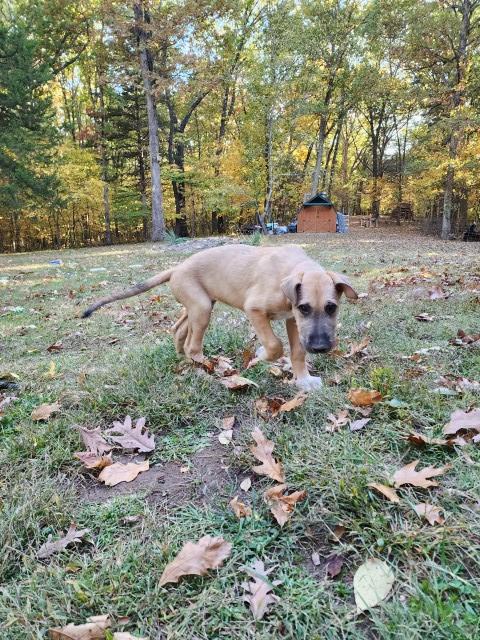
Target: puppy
[{"x": 267, "y": 283}]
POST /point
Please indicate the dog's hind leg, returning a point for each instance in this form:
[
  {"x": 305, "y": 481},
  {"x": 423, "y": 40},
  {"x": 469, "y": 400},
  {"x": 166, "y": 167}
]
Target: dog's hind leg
[{"x": 180, "y": 331}]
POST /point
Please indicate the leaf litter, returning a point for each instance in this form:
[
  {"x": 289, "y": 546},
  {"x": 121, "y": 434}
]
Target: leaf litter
[
  {"x": 196, "y": 558},
  {"x": 71, "y": 536},
  {"x": 262, "y": 451}
]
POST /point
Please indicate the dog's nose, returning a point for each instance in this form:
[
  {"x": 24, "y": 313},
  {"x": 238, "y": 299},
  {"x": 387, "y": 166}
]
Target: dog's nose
[{"x": 319, "y": 344}]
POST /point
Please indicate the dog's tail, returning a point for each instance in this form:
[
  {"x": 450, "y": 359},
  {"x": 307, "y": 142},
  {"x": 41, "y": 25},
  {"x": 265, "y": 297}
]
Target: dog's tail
[{"x": 141, "y": 287}]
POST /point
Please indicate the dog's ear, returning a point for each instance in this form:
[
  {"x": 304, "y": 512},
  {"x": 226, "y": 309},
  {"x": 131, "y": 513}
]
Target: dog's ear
[
  {"x": 291, "y": 286},
  {"x": 342, "y": 285}
]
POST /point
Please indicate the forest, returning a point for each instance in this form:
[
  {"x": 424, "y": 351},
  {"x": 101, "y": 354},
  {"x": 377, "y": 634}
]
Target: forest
[{"x": 132, "y": 120}]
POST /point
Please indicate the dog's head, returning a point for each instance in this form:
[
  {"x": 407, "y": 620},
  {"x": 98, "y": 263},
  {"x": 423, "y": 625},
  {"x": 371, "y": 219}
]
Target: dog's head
[{"x": 315, "y": 296}]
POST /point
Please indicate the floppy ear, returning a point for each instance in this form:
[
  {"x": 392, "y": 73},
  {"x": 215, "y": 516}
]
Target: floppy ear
[
  {"x": 342, "y": 285},
  {"x": 291, "y": 286}
]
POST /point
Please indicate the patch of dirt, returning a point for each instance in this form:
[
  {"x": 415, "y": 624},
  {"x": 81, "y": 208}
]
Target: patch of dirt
[
  {"x": 198, "y": 244},
  {"x": 170, "y": 483}
]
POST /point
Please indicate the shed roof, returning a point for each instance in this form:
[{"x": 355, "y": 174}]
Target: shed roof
[{"x": 318, "y": 199}]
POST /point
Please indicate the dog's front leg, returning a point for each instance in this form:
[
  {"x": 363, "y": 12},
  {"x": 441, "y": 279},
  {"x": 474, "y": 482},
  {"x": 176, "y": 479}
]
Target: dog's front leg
[
  {"x": 303, "y": 379},
  {"x": 272, "y": 347}
]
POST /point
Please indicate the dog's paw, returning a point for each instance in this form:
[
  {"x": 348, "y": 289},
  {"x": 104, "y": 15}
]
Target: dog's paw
[
  {"x": 309, "y": 383},
  {"x": 260, "y": 354}
]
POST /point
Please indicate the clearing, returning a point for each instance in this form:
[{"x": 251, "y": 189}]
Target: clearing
[{"x": 122, "y": 362}]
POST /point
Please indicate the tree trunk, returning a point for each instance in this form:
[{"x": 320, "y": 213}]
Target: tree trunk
[
  {"x": 158, "y": 222},
  {"x": 267, "y": 208},
  {"x": 142, "y": 181},
  {"x": 318, "y": 164},
  {"x": 447, "y": 203}
]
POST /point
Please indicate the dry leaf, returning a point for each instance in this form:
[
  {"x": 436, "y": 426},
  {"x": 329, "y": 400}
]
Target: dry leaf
[
  {"x": 356, "y": 425},
  {"x": 223, "y": 366},
  {"x": 93, "y": 440},
  {"x": 420, "y": 440},
  {"x": 228, "y": 423},
  {"x": 52, "y": 370},
  {"x": 5, "y": 401},
  {"x": 334, "y": 565},
  {"x": 429, "y": 512},
  {"x": 119, "y": 472},
  {"x": 259, "y": 596},
  {"x": 263, "y": 452},
  {"x": 196, "y": 559},
  {"x": 364, "y": 397},
  {"x": 465, "y": 339},
  {"x": 388, "y": 492},
  {"x": 240, "y": 509},
  {"x": 275, "y": 371},
  {"x": 282, "y": 506},
  {"x": 245, "y": 484},
  {"x": 44, "y": 411},
  {"x": 124, "y": 635},
  {"x": 132, "y": 437},
  {"x": 72, "y": 535},
  {"x": 268, "y": 407},
  {"x": 424, "y": 317},
  {"x": 437, "y": 293},
  {"x": 460, "y": 420},
  {"x": 93, "y": 461},
  {"x": 225, "y": 437},
  {"x": 408, "y": 475},
  {"x": 236, "y": 382},
  {"x": 294, "y": 403},
  {"x": 357, "y": 348},
  {"x": 372, "y": 583},
  {"x": 338, "y": 532},
  {"x": 316, "y": 558},
  {"x": 340, "y": 420},
  {"x": 94, "y": 629},
  {"x": 55, "y": 347}
]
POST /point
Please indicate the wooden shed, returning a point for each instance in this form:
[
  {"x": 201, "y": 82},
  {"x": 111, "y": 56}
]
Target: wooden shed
[{"x": 317, "y": 215}]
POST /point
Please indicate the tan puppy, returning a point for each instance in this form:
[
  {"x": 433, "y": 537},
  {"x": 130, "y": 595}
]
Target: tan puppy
[{"x": 267, "y": 283}]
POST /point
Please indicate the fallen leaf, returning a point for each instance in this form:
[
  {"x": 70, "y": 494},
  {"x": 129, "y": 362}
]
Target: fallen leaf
[
  {"x": 72, "y": 535},
  {"x": 196, "y": 559},
  {"x": 340, "y": 420},
  {"x": 132, "y": 437},
  {"x": 408, "y": 475},
  {"x": 52, "y": 371},
  {"x": 338, "y": 532},
  {"x": 424, "y": 317},
  {"x": 236, "y": 382},
  {"x": 388, "y": 492},
  {"x": 263, "y": 452},
  {"x": 268, "y": 407},
  {"x": 228, "y": 423},
  {"x": 334, "y": 564},
  {"x": 356, "y": 425},
  {"x": 5, "y": 401},
  {"x": 358, "y": 348},
  {"x": 462, "y": 420},
  {"x": 119, "y": 472},
  {"x": 44, "y": 411},
  {"x": 420, "y": 440},
  {"x": 364, "y": 397},
  {"x": 225, "y": 437},
  {"x": 93, "y": 461},
  {"x": 372, "y": 583},
  {"x": 316, "y": 558},
  {"x": 240, "y": 509},
  {"x": 275, "y": 371},
  {"x": 282, "y": 506},
  {"x": 259, "y": 596},
  {"x": 294, "y": 403},
  {"x": 124, "y": 635},
  {"x": 247, "y": 355},
  {"x": 245, "y": 484},
  {"x": 465, "y": 339},
  {"x": 223, "y": 366},
  {"x": 437, "y": 293},
  {"x": 429, "y": 512},
  {"x": 94, "y": 629},
  {"x": 459, "y": 383},
  {"x": 93, "y": 440},
  {"x": 55, "y": 347}
]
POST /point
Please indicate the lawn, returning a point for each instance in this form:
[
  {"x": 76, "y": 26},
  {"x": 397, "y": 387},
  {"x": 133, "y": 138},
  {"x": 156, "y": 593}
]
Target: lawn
[{"x": 122, "y": 362}]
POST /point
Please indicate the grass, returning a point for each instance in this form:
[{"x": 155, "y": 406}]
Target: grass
[{"x": 122, "y": 361}]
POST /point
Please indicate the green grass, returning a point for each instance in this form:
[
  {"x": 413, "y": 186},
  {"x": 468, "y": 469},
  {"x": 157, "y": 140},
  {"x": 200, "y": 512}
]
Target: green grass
[{"x": 122, "y": 361}]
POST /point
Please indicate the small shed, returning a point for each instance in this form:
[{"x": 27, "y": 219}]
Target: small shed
[{"x": 317, "y": 215}]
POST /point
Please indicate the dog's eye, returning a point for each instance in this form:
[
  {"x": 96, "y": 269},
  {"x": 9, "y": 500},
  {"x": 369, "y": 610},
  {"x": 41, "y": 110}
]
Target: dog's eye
[
  {"x": 330, "y": 308},
  {"x": 304, "y": 309}
]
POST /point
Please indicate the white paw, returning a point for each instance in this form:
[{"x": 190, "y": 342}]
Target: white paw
[
  {"x": 309, "y": 383},
  {"x": 260, "y": 354}
]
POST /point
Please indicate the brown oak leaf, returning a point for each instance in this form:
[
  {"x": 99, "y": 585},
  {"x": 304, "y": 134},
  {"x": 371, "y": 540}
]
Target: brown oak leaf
[
  {"x": 196, "y": 558},
  {"x": 429, "y": 512},
  {"x": 259, "y": 595},
  {"x": 240, "y": 509},
  {"x": 44, "y": 411},
  {"x": 462, "y": 420},
  {"x": 408, "y": 475},
  {"x": 336, "y": 421},
  {"x": 93, "y": 440},
  {"x": 119, "y": 472},
  {"x": 281, "y": 505},
  {"x": 132, "y": 437},
  {"x": 263, "y": 452},
  {"x": 94, "y": 629},
  {"x": 237, "y": 383},
  {"x": 72, "y": 535},
  {"x": 364, "y": 397},
  {"x": 93, "y": 461},
  {"x": 388, "y": 492}
]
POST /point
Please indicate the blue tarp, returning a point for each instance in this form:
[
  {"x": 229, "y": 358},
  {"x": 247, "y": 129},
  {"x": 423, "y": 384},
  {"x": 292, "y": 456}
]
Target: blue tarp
[{"x": 342, "y": 226}]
